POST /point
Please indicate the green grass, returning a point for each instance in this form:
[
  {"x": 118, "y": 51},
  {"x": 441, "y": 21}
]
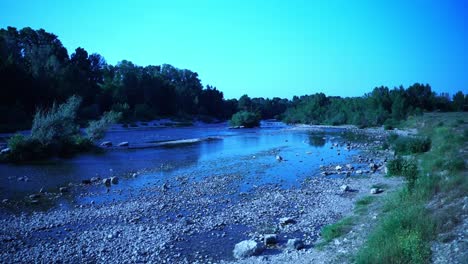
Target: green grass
[
  {"x": 337, "y": 229},
  {"x": 408, "y": 226}
]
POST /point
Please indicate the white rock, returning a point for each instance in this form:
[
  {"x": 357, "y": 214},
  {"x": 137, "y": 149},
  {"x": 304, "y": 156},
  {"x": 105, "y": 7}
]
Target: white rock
[
  {"x": 123, "y": 144},
  {"x": 279, "y": 158},
  {"x": 246, "y": 249},
  {"x": 5, "y": 151},
  {"x": 106, "y": 144},
  {"x": 338, "y": 168},
  {"x": 345, "y": 188}
]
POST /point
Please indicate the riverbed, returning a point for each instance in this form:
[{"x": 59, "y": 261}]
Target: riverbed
[{"x": 188, "y": 201}]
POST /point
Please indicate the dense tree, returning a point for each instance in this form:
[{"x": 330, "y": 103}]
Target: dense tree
[{"x": 459, "y": 101}]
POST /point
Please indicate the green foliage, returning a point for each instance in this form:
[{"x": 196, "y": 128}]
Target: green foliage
[
  {"x": 246, "y": 119},
  {"x": 56, "y": 124},
  {"x": 411, "y": 145},
  {"x": 56, "y": 133},
  {"x": 404, "y": 167},
  {"x": 400, "y": 238},
  {"x": 25, "y": 148},
  {"x": 96, "y": 129}
]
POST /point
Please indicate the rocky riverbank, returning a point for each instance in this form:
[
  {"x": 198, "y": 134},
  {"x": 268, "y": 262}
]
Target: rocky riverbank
[{"x": 199, "y": 217}]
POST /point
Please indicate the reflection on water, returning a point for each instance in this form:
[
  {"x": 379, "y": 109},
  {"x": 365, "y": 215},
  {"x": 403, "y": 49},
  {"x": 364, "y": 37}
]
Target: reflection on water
[
  {"x": 247, "y": 152},
  {"x": 317, "y": 139}
]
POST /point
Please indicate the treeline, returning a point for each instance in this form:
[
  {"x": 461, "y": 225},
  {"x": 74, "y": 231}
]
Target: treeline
[
  {"x": 36, "y": 70},
  {"x": 381, "y": 106}
]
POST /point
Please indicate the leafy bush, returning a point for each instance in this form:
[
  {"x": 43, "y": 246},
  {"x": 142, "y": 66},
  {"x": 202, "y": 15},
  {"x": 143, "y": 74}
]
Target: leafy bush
[
  {"x": 58, "y": 123},
  {"x": 405, "y": 168},
  {"x": 246, "y": 119},
  {"x": 411, "y": 145},
  {"x": 56, "y": 133},
  {"x": 96, "y": 129}
]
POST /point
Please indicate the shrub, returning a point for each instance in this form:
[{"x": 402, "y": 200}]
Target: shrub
[
  {"x": 405, "y": 168},
  {"x": 246, "y": 119},
  {"x": 56, "y": 124},
  {"x": 56, "y": 133},
  {"x": 411, "y": 145},
  {"x": 96, "y": 129}
]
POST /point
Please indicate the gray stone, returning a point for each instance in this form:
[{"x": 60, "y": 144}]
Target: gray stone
[
  {"x": 345, "y": 188},
  {"x": 246, "y": 249},
  {"x": 63, "y": 189},
  {"x": 295, "y": 243},
  {"x": 375, "y": 190},
  {"x": 270, "y": 239}
]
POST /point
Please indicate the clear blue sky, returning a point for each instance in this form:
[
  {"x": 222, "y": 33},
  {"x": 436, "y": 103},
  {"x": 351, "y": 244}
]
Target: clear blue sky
[{"x": 269, "y": 48}]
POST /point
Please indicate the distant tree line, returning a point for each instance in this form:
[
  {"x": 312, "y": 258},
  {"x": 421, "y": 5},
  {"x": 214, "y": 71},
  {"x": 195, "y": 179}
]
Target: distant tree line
[
  {"x": 36, "y": 71},
  {"x": 381, "y": 106}
]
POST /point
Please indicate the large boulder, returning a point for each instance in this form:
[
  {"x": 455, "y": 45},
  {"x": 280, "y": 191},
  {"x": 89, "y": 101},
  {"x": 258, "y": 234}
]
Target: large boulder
[{"x": 246, "y": 249}]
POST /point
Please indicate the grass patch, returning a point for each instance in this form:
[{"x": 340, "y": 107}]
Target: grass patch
[
  {"x": 408, "y": 226},
  {"x": 337, "y": 229}
]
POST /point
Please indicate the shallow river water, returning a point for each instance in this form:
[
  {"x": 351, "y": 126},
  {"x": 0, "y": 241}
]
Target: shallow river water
[{"x": 304, "y": 150}]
